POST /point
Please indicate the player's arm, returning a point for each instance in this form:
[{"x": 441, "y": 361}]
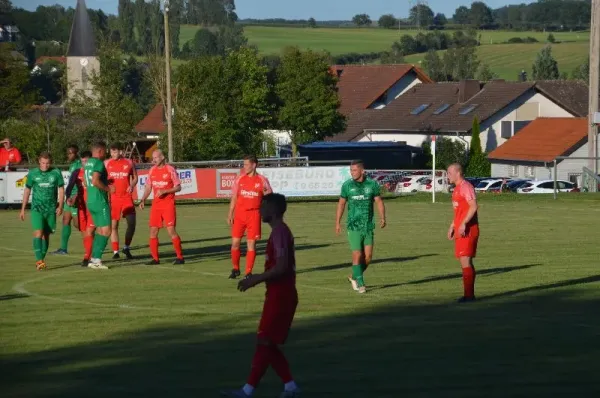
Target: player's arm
[
  {"x": 340, "y": 209},
  {"x": 380, "y": 210},
  {"x": 61, "y": 194},
  {"x": 473, "y": 207},
  {"x": 133, "y": 179},
  {"x": 26, "y": 194},
  {"x": 72, "y": 182},
  {"x": 233, "y": 201},
  {"x": 97, "y": 182},
  {"x": 282, "y": 266},
  {"x": 266, "y": 185}
]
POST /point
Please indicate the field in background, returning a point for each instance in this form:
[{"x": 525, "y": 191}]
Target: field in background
[{"x": 186, "y": 331}]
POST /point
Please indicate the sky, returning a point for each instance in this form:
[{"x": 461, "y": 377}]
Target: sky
[{"x": 304, "y": 9}]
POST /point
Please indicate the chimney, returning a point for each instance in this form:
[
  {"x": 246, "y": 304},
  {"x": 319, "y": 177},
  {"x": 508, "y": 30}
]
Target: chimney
[{"x": 467, "y": 89}]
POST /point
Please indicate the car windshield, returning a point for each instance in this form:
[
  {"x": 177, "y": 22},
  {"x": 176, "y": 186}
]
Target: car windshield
[
  {"x": 516, "y": 184},
  {"x": 527, "y": 185},
  {"x": 482, "y": 184}
]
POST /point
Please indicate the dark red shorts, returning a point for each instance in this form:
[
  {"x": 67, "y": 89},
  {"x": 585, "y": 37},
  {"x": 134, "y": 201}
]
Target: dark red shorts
[
  {"x": 277, "y": 316},
  {"x": 247, "y": 222},
  {"x": 121, "y": 208}
]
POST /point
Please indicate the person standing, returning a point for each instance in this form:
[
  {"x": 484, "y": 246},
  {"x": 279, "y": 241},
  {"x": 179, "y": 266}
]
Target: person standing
[{"x": 70, "y": 215}]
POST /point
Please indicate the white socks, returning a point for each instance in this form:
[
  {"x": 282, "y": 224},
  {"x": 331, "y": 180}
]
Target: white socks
[
  {"x": 248, "y": 389},
  {"x": 291, "y": 386}
]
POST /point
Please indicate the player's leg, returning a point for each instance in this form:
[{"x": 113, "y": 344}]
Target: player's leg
[
  {"x": 237, "y": 232},
  {"x": 101, "y": 219},
  {"x": 131, "y": 219},
  {"x": 65, "y": 233},
  {"x": 356, "y": 241},
  {"x": 369, "y": 243},
  {"x": 176, "y": 241},
  {"x": 156, "y": 223},
  {"x": 253, "y": 234},
  {"x": 37, "y": 223},
  {"x": 466, "y": 249},
  {"x": 115, "y": 216},
  {"x": 86, "y": 227},
  {"x": 49, "y": 228}
]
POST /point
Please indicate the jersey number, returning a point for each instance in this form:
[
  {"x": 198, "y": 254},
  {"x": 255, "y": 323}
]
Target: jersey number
[{"x": 88, "y": 177}]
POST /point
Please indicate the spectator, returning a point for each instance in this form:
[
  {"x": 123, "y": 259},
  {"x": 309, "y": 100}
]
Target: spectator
[{"x": 9, "y": 155}]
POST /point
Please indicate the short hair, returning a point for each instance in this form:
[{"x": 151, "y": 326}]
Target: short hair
[
  {"x": 278, "y": 202},
  {"x": 73, "y": 147},
  {"x": 116, "y": 145},
  {"x": 45, "y": 155},
  {"x": 86, "y": 154},
  {"x": 98, "y": 145},
  {"x": 251, "y": 158},
  {"x": 357, "y": 162},
  {"x": 458, "y": 167}
]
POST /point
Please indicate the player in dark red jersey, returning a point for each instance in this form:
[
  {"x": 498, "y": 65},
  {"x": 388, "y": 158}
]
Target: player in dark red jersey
[
  {"x": 280, "y": 304},
  {"x": 464, "y": 229},
  {"x": 121, "y": 175},
  {"x": 244, "y": 214}
]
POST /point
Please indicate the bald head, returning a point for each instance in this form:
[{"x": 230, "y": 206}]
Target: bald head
[
  {"x": 455, "y": 173},
  {"x": 158, "y": 157}
]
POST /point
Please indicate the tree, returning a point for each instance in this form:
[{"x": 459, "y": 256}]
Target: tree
[
  {"x": 141, "y": 20},
  {"x": 307, "y": 89},
  {"x": 434, "y": 66},
  {"x": 480, "y": 14},
  {"x": 312, "y": 23},
  {"x": 230, "y": 38},
  {"x": 48, "y": 80},
  {"x": 126, "y": 25},
  {"x": 387, "y": 21},
  {"x": 421, "y": 16},
  {"x": 582, "y": 72},
  {"x": 462, "y": 16},
  {"x": 361, "y": 20},
  {"x": 551, "y": 38},
  {"x": 545, "y": 66},
  {"x": 5, "y": 6},
  {"x": 175, "y": 15},
  {"x": 478, "y": 164},
  {"x": 156, "y": 26},
  {"x": 485, "y": 74},
  {"x": 447, "y": 151},
  {"x": 16, "y": 91},
  {"x": 221, "y": 106},
  {"x": 440, "y": 19},
  {"x": 28, "y": 135},
  {"x": 204, "y": 43}
]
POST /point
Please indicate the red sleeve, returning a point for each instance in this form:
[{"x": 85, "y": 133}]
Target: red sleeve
[
  {"x": 266, "y": 184},
  {"x": 236, "y": 186},
  {"x": 468, "y": 192},
  {"x": 174, "y": 176},
  {"x": 17, "y": 156}
]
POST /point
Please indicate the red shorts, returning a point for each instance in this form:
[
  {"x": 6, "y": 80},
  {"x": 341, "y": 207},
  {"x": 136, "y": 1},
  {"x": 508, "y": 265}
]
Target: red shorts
[
  {"x": 277, "y": 316},
  {"x": 121, "y": 208},
  {"x": 163, "y": 217},
  {"x": 248, "y": 222},
  {"x": 466, "y": 246},
  {"x": 85, "y": 219}
]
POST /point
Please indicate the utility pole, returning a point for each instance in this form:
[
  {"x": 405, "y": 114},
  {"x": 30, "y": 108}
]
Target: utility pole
[
  {"x": 594, "y": 86},
  {"x": 169, "y": 112}
]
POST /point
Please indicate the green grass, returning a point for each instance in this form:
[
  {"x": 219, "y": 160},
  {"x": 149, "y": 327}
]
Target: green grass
[{"x": 186, "y": 331}]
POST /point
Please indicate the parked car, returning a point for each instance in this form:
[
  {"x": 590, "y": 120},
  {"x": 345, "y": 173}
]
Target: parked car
[
  {"x": 514, "y": 185},
  {"x": 440, "y": 185},
  {"x": 410, "y": 184},
  {"x": 547, "y": 186},
  {"x": 488, "y": 185}
]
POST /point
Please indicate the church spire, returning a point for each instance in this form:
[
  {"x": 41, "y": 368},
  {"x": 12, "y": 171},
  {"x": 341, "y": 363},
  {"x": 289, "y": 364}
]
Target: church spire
[{"x": 82, "y": 40}]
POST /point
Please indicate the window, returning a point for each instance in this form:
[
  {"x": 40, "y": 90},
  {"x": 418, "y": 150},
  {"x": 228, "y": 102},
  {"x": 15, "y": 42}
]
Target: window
[
  {"x": 468, "y": 109},
  {"x": 519, "y": 125},
  {"x": 441, "y": 109},
  {"x": 84, "y": 77},
  {"x": 497, "y": 184},
  {"x": 575, "y": 179},
  {"x": 530, "y": 172},
  {"x": 547, "y": 185},
  {"x": 419, "y": 109},
  {"x": 506, "y": 129},
  {"x": 513, "y": 170}
]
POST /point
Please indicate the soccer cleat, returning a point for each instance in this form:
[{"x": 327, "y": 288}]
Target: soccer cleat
[
  {"x": 234, "y": 394},
  {"x": 353, "y": 283},
  {"x": 290, "y": 394},
  {"x": 465, "y": 299},
  {"x": 85, "y": 262},
  {"x": 60, "y": 252},
  {"x": 116, "y": 256},
  {"x": 40, "y": 265},
  {"x": 127, "y": 253},
  {"x": 96, "y": 264},
  {"x": 179, "y": 261},
  {"x": 153, "y": 262},
  {"x": 362, "y": 289},
  {"x": 234, "y": 274}
]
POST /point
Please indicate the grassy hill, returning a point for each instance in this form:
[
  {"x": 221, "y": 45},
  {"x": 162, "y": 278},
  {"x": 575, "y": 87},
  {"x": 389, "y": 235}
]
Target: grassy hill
[{"x": 507, "y": 60}]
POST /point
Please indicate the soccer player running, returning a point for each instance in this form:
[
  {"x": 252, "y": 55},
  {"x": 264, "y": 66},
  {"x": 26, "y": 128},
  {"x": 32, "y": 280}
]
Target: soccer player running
[
  {"x": 164, "y": 182},
  {"x": 280, "y": 303},
  {"x": 123, "y": 176},
  {"x": 244, "y": 214},
  {"x": 464, "y": 229},
  {"x": 96, "y": 182},
  {"x": 70, "y": 212},
  {"x": 360, "y": 192},
  {"x": 47, "y": 184}
]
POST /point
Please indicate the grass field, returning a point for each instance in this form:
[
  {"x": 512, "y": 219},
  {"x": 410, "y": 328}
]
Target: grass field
[{"x": 182, "y": 331}]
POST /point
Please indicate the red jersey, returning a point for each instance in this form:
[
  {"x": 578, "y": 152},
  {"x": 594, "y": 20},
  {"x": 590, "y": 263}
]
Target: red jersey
[
  {"x": 281, "y": 242},
  {"x": 250, "y": 191},
  {"x": 119, "y": 174},
  {"x": 463, "y": 193},
  {"x": 161, "y": 178},
  {"x": 12, "y": 156}
]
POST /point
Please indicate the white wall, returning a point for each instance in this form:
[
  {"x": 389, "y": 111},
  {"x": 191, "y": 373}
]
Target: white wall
[
  {"x": 407, "y": 82},
  {"x": 280, "y": 136}
]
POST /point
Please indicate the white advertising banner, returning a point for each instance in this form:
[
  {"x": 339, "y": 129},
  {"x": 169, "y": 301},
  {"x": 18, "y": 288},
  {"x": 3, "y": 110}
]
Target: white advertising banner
[
  {"x": 15, "y": 186},
  {"x": 3, "y": 189},
  {"x": 189, "y": 185},
  {"x": 307, "y": 181}
]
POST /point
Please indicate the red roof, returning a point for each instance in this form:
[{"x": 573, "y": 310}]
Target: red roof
[
  {"x": 543, "y": 140},
  {"x": 44, "y": 58},
  {"x": 153, "y": 122},
  {"x": 360, "y": 86}
]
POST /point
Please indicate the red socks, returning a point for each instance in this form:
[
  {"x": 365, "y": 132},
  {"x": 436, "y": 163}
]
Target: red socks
[
  {"x": 177, "y": 246},
  {"x": 154, "y": 248},
  {"x": 88, "y": 242},
  {"x": 469, "y": 281},
  {"x": 235, "y": 258},
  {"x": 250, "y": 258},
  {"x": 115, "y": 246}
]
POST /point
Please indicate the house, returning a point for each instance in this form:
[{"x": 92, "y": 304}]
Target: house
[
  {"x": 43, "y": 59},
  {"x": 531, "y": 153},
  {"x": 448, "y": 109},
  {"x": 9, "y": 33}
]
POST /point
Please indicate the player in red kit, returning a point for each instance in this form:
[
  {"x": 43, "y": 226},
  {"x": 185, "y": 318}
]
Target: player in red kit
[
  {"x": 464, "y": 229},
  {"x": 280, "y": 304},
  {"x": 121, "y": 175},
  {"x": 163, "y": 182},
  {"x": 244, "y": 214}
]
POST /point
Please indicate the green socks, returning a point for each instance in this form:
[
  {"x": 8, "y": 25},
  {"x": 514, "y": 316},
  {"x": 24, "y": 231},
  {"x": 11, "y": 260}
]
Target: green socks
[
  {"x": 364, "y": 267},
  {"x": 37, "y": 248},
  {"x": 64, "y": 236},
  {"x": 357, "y": 275},
  {"x": 100, "y": 242},
  {"x": 45, "y": 244}
]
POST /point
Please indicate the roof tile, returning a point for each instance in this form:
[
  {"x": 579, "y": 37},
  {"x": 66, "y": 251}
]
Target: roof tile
[{"x": 152, "y": 122}]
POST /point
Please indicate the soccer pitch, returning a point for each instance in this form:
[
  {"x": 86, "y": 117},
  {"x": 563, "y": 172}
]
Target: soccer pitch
[{"x": 185, "y": 331}]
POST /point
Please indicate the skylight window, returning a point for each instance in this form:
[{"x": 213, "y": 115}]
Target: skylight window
[
  {"x": 419, "y": 109},
  {"x": 468, "y": 109},
  {"x": 441, "y": 109}
]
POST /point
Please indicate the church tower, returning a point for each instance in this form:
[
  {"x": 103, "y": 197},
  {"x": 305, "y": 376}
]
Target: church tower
[{"x": 82, "y": 61}]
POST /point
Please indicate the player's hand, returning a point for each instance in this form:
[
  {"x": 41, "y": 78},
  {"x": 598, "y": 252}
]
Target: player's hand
[
  {"x": 129, "y": 189},
  {"x": 462, "y": 229},
  {"x": 112, "y": 189},
  {"x": 247, "y": 283},
  {"x": 451, "y": 233},
  {"x": 382, "y": 223},
  {"x": 141, "y": 205},
  {"x": 230, "y": 220},
  {"x": 22, "y": 215},
  {"x": 338, "y": 229},
  {"x": 59, "y": 211},
  {"x": 160, "y": 193}
]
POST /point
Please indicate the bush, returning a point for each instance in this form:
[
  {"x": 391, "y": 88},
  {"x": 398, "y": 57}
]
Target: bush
[
  {"x": 530, "y": 39},
  {"x": 551, "y": 38}
]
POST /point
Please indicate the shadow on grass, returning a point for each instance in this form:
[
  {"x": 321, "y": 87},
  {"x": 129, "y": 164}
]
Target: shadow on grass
[
  {"x": 13, "y": 296},
  {"x": 542, "y": 345},
  {"x": 333, "y": 267}
]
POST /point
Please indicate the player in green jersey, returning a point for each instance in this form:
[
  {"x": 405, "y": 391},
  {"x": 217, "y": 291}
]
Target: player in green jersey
[
  {"x": 96, "y": 180},
  {"x": 360, "y": 193},
  {"x": 47, "y": 201},
  {"x": 70, "y": 212}
]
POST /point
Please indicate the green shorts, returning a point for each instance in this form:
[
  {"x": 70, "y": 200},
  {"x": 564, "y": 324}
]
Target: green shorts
[
  {"x": 100, "y": 216},
  {"x": 70, "y": 209},
  {"x": 359, "y": 239},
  {"x": 45, "y": 222}
]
